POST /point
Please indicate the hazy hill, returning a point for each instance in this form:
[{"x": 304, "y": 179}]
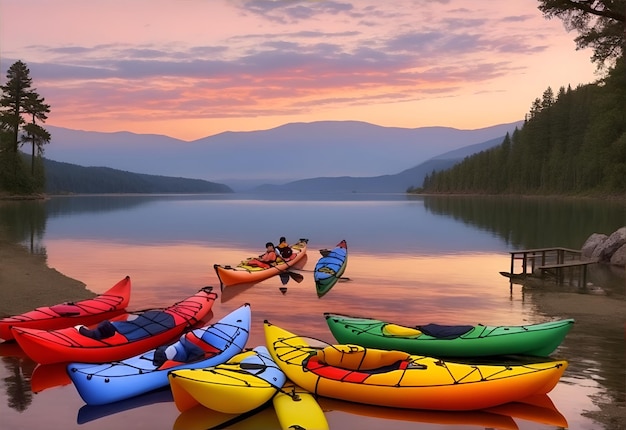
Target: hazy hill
[
  {"x": 62, "y": 178},
  {"x": 283, "y": 154},
  {"x": 397, "y": 183}
]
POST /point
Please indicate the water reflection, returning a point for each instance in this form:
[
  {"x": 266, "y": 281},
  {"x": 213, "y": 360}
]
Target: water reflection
[
  {"x": 201, "y": 418},
  {"x": 89, "y": 413},
  {"x": 16, "y": 376},
  {"x": 598, "y": 370},
  {"x": 412, "y": 261},
  {"x": 24, "y": 221},
  {"x": 526, "y": 223}
]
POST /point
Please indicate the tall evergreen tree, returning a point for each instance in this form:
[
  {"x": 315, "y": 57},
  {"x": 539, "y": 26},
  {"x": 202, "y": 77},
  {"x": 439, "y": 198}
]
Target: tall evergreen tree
[
  {"x": 14, "y": 94},
  {"x": 35, "y": 107},
  {"x": 20, "y": 110}
]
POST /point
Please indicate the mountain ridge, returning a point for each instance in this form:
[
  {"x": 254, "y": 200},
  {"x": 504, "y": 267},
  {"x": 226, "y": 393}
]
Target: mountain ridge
[{"x": 280, "y": 155}]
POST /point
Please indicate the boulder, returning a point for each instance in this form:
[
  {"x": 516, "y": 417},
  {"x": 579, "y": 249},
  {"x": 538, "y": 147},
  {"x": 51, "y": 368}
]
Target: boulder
[
  {"x": 604, "y": 250},
  {"x": 619, "y": 257},
  {"x": 591, "y": 244}
]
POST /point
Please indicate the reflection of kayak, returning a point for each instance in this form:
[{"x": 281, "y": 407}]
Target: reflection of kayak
[
  {"x": 11, "y": 349},
  {"x": 201, "y": 418},
  {"x": 243, "y": 273},
  {"x": 89, "y": 311},
  {"x": 450, "y": 341},
  {"x": 539, "y": 409},
  {"x": 296, "y": 408},
  {"x": 241, "y": 384},
  {"x": 330, "y": 268},
  {"x": 89, "y": 413},
  {"x": 48, "y": 376},
  {"x": 207, "y": 346},
  {"x": 125, "y": 336},
  {"x": 398, "y": 379},
  {"x": 479, "y": 418}
]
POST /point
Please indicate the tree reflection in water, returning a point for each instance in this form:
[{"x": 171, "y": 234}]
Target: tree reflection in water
[{"x": 17, "y": 383}]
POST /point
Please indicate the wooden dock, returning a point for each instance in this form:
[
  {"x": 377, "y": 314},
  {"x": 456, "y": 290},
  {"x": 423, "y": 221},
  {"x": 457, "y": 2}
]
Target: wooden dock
[{"x": 563, "y": 264}]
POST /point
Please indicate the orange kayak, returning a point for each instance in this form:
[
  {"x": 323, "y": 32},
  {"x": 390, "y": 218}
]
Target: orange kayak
[
  {"x": 118, "y": 338},
  {"x": 243, "y": 273},
  {"x": 89, "y": 311}
]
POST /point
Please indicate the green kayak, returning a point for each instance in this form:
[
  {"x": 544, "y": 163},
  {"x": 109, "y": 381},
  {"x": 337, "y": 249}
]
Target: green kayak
[{"x": 450, "y": 340}]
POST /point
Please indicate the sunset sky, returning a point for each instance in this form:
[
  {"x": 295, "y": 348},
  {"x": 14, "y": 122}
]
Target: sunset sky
[{"x": 194, "y": 68}]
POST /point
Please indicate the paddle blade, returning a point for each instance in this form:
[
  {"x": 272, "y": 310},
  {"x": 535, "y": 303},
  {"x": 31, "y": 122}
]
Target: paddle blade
[{"x": 295, "y": 276}]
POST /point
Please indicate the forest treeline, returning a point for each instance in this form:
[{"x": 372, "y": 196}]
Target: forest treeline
[
  {"x": 571, "y": 143},
  {"x": 65, "y": 178}
]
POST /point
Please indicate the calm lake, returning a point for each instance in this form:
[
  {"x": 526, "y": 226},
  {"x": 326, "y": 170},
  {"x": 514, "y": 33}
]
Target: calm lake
[{"x": 412, "y": 260}]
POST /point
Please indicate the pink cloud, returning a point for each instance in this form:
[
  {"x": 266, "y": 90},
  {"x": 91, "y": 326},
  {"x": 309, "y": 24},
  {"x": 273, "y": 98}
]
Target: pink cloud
[{"x": 211, "y": 63}]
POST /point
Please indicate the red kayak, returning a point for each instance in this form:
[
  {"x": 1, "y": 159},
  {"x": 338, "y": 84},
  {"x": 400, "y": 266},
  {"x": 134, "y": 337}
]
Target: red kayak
[
  {"x": 119, "y": 338},
  {"x": 90, "y": 311}
]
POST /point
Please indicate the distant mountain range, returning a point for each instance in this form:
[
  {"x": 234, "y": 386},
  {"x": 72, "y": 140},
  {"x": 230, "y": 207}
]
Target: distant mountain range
[
  {"x": 398, "y": 183},
  {"x": 302, "y": 157}
]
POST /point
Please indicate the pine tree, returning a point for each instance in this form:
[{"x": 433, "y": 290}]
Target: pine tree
[{"x": 20, "y": 110}]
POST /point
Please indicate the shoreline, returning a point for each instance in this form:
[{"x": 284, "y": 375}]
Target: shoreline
[{"x": 26, "y": 281}]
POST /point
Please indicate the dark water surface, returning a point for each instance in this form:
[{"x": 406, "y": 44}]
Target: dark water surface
[{"x": 411, "y": 261}]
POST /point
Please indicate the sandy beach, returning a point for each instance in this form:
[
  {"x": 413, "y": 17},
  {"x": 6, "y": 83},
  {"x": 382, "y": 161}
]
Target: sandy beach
[{"x": 27, "y": 282}]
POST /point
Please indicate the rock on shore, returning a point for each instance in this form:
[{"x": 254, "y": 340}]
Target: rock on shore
[{"x": 606, "y": 248}]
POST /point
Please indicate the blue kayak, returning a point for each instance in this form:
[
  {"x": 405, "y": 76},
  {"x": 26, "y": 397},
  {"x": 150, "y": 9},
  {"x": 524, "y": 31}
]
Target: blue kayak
[
  {"x": 330, "y": 268},
  {"x": 210, "y": 345}
]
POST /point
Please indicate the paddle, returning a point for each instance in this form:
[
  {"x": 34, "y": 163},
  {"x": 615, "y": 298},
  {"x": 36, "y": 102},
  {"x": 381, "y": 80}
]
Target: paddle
[
  {"x": 342, "y": 278},
  {"x": 295, "y": 276}
]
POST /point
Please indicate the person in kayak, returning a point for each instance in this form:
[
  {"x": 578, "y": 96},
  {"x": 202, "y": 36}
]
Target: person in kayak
[
  {"x": 284, "y": 250},
  {"x": 265, "y": 260}
]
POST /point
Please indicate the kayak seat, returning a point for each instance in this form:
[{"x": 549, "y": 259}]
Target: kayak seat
[
  {"x": 400, "y": 331},
  {"x": 66, "y": 309},
  {"x": 315, "y": 365},
  {"x": 146, "y": 324},
  {"x": 104, "y": 330},
  {"x": 355, "y": 357},
  {"x": 189, "y": 348},
  {"x": 444, "y": 331}
]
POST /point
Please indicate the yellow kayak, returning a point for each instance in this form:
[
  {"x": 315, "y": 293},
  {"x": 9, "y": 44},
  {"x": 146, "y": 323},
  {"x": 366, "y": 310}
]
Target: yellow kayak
[
  {"x": 296, "y": 408},
  {"x": 243, "y": 383},
  {"x": 398, "y": 379}
]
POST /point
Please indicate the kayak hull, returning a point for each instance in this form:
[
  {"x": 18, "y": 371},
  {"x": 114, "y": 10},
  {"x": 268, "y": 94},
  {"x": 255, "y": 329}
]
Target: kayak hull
[
  {"x": 104, "y": 383},
  {"x": 243, "y": 383},
  {"x": 296, "y": 408},
  {"x": 330, "y": 268},
  {"x": 398, "y": 379},
  {"x": 478, "y": 341},
  {"x": 138, "y": 332},
  {"x": 243, "y": 273},
  {"x": 109, "y": 304}
]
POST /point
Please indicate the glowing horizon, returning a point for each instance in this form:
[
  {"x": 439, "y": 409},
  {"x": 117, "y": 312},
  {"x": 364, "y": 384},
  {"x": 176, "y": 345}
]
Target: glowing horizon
[{"x": 194, "y": 69}]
